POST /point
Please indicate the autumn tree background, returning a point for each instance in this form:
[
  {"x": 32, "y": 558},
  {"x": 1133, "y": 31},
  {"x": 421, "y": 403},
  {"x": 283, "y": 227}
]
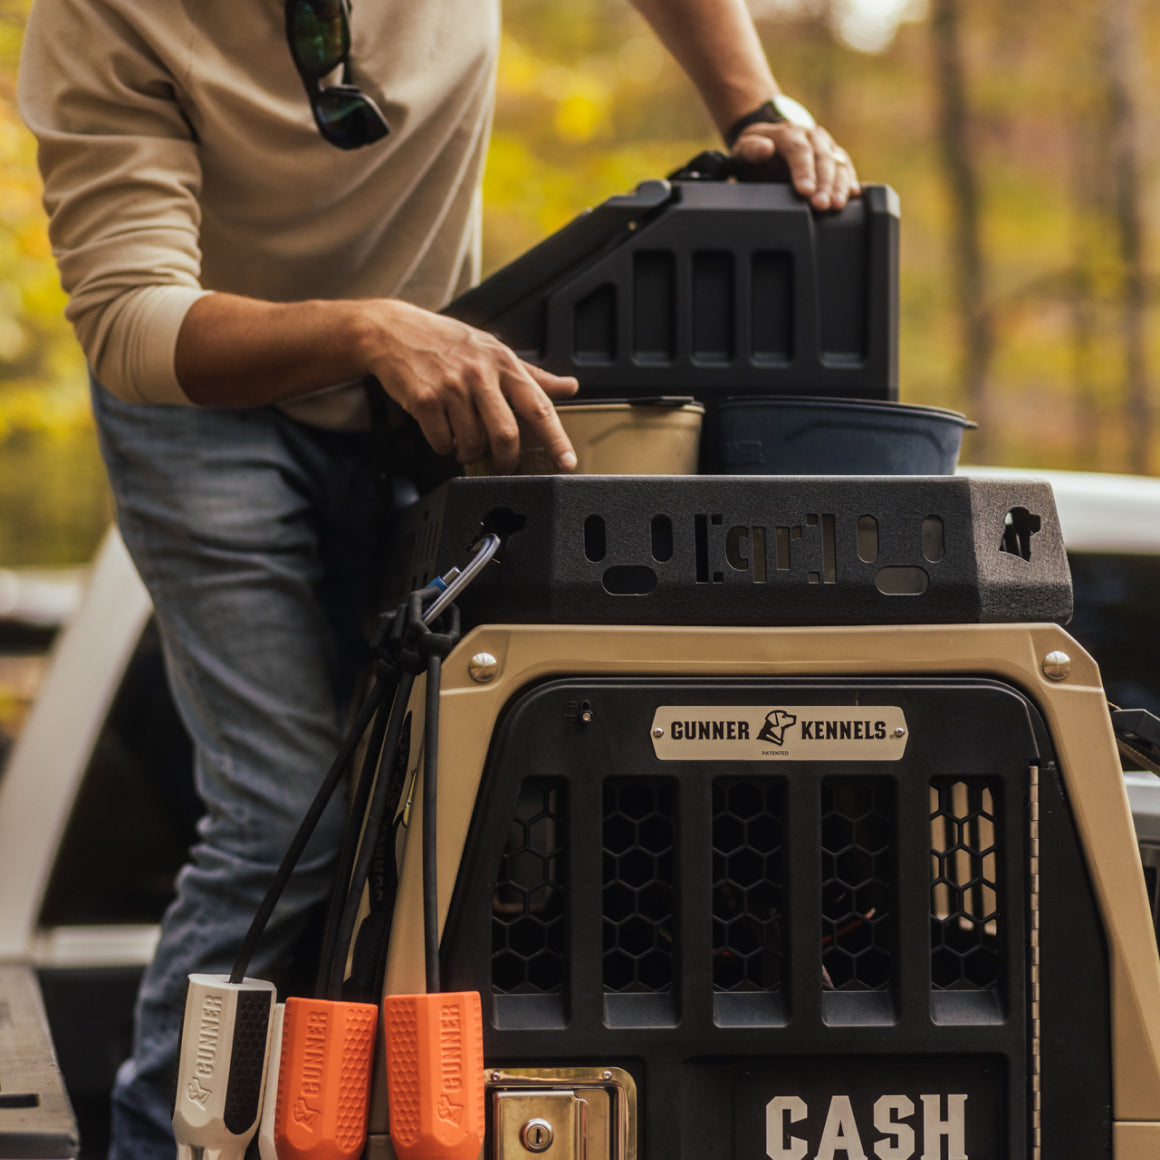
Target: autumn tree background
[{"x": 1021, "y": 139}]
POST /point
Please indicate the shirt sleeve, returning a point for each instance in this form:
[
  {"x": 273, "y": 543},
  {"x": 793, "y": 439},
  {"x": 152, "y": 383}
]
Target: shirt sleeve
[{"x": 121, "y": 184}]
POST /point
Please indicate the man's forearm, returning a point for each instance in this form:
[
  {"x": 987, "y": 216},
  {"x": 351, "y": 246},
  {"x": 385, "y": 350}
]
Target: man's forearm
[
  {"x": 241, "y": 352},
  {"x": 716, "y": 44}
]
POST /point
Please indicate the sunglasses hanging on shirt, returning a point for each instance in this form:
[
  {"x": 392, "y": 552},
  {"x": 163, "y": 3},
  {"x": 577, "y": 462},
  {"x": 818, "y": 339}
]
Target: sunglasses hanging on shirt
[{"x": 318, "y": 32}]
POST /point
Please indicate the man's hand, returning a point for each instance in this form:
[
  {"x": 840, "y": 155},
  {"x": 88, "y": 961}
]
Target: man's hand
[
  {"x": 716, "y": 43},
  {"x": 819, "y": 169},
  {"x": 465, "y": 388}
]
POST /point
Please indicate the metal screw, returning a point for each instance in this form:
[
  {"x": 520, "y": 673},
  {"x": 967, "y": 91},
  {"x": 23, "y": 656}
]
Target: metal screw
[
  {"x": 495, "y": 1077},
  {"x": 1057, "y": 665},
  {"x": 606, "y": 1075},
  {"x": 483, "y": 667},
  {"x": 658, "y": 732},
  {"x": 536, "y": 1135},
  {"x": 899, "y": 731}
]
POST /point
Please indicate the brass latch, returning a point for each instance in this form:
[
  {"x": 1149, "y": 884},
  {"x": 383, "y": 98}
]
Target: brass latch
[{"x": 562, "y": 1114}]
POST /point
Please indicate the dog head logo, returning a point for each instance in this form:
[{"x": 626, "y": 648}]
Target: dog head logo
[{"x": 777, "y": 721}]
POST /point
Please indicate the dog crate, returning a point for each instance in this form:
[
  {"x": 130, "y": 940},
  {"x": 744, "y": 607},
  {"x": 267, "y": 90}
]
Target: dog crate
[{"x": 740, "y": 872}]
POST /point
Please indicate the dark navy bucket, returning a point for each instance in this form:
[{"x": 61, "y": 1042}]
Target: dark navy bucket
[{"x": 813, "y": 436}]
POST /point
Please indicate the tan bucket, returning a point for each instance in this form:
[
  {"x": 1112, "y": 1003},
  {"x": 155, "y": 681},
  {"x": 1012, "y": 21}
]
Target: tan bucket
[{"x": 646, "y": 437}]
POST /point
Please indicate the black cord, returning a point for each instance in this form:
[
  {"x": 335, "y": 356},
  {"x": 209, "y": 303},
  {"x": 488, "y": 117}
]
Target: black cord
[
  {"x": 358, "y": 807},
  {"x": 430, "y": 829},
  {"x": 374, "y": 820},
  {"x": 411, "y": 642},
  {"x": 306, "y": 828}
]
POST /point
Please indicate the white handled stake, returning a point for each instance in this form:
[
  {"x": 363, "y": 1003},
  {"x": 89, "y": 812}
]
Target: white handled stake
[{"x": 225, "y": 1039}]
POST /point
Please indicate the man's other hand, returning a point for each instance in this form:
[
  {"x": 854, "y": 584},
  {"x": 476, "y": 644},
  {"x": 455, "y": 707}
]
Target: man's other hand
[{"x": 464, "y": 387}]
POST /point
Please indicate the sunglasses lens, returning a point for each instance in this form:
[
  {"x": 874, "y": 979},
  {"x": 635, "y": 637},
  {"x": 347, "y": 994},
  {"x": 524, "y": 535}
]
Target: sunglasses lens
[
  {"x": 319, "y": 35},
  {"x": 348, "y": 119}
]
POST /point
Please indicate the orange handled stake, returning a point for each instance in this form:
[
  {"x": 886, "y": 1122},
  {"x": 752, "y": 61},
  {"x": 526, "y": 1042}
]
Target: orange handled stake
[
  {"x": 435, "y": 1075},
  {"x": 324, "y": 1079}
]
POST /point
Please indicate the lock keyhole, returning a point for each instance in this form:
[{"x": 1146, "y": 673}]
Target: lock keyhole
[{"x": 536, "y": 1135}]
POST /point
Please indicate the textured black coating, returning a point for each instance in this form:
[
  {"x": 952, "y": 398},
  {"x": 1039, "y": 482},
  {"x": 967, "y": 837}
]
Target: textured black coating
[
  {"x": 748, "y": 551},
  {"x": 248, "y": 1057}
]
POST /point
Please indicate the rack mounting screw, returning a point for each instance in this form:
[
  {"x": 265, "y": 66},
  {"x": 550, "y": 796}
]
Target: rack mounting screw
[
  {"x": 536, "y": 1135},
  {"x": 483, "y": 667},
  {"x": 1057, "y": 665}
]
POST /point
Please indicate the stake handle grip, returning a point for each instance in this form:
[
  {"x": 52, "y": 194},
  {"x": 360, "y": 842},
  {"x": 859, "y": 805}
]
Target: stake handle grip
[
  {"x": 324, "y": 1079},
  {"x": 222, "y": 1064},
  {"x": 435, "y": 1075}
]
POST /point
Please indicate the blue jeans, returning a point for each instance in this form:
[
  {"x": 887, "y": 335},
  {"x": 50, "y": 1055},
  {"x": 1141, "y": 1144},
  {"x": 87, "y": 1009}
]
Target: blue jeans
[{"x": 257, "y": 538}]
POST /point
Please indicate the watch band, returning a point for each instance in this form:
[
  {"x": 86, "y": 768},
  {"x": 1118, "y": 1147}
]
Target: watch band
[
  {"x": 775, "y": 111},
  {"x": 764, "y": 114}
]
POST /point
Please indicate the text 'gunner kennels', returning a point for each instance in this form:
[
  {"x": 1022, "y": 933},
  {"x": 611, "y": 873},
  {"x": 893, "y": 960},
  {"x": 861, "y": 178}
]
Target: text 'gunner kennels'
[{"x": 779, "y": 733}]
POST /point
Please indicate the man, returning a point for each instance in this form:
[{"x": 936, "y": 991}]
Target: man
[{"x": 245, "y": 245}]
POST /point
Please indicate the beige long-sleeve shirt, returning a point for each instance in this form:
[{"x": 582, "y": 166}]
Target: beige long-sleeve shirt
[{"x": 180, "y": 156}]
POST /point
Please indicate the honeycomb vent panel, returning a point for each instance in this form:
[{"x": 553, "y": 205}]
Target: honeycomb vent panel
[
  {"x": 639, "y": 920},
  {"x": 748, "y": 902},
  {"x": 966, "y": 923},
  {"x": 528, "y": 904},
  {"x": 858, "y": 883}
]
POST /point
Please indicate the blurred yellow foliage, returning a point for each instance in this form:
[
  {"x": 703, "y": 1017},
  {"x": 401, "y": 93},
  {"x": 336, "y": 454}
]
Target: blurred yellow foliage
[{"x": 580, "y": 116}]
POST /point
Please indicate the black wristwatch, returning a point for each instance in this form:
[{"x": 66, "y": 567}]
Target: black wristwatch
[{"x": 775, "y": 111}]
